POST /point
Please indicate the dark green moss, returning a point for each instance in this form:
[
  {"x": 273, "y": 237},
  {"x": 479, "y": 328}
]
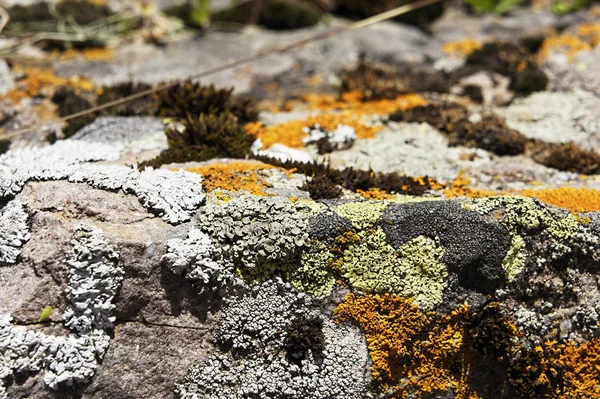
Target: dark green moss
[
  {"x": 245, "y": 13},
  {"x": 78, "y": 11},
  {"x": 567, "y": 157},
  {"x": 491, "y": 133},
  {"x": 360, "y": 9},
  {"x": 205, "y": 137},
  {"x": 320, "y": 187},
  {"x": 69, "y": 102},
  {"x": 143, "y": 106},
  {"x": 192, "y": 99},
  {"x": 304, "y": 334},
  {"x": 353, "y": 179},
  {"x": 4, "y": 146},
  {"x": 529, "y": 80},
  {"x": 377, "y": 80},
  {"x": 288, "y": 14}
]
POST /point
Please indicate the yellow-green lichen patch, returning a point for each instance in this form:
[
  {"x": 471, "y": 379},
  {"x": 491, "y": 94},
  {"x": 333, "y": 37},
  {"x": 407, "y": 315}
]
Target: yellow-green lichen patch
[
  {"x": 415, "y": 270},
  {"x": 313, "y": 275},
  {"x": 309, "y": 207},
  {"x": 362, "y": 214},
  {"x": 404, "y": 199},
  {"x": 513, "y": 264}
]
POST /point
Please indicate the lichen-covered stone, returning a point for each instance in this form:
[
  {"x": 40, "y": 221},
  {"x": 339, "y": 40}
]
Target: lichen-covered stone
[
  {"x": 14, "y": 231},
  {"x": 258, "y": 235},
  {"x": 252, "y": 360},
  {"x": 194, "y": 258},
  {"x": 175, "y": 196},
  {"x": 474, "y": 247}
]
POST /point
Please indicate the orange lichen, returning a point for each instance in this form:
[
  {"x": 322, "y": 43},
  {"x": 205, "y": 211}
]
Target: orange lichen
[
  {"x": 353, "y": 100},
  {"x": 415, "y": 354},
  {"x": 590, "y": 32},
  {"x": 576, "y": 200},
  {"x": 234, "y": 176},
  {"x": 559, "y": 371},
  {"x": 568, "y": 43},
  {"x": 459, "y": 188},
  {"x": 375, "y": 194},
  {"x": 37, "y": 82},
  {"x": 90, "y": 54},
  {"x": 462, "y": 48},
  {"x": 291, "y": 133}
]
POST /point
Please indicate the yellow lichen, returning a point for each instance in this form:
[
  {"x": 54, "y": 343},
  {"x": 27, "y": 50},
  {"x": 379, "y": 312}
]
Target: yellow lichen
[
  {"x": 234, "y": 176},
  {"x": 375, "y": 194},
  {"x": 570, "y": 44},
  {"x": 459, "y": 188},
  {"x": 353, "y": 100},
  {"x": 462, "y": 48},
  {"x": 42, "y": 82}
]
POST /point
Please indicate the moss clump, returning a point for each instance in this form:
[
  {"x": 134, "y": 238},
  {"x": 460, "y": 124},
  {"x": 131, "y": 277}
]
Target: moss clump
[
  {"x": 320, "y": 187},
  {"x": 272, "y": 14},
  {"x": 381, "y": 81},
  {"x": 529, "y": 80},
  {"x": 568, "y": 157},
  {"x": 4, "y": 146},
  {"x": 360, "y": 9},
  {"x": 192, "y": 99},
  {"x": 143, "y": 106},
  {"x": 81, "y": 12},
  {"x": 69, "y": 102},
  {"x": 202, "y": 138},
  {"x": 354, "y": 179},
  {"x": 304, "y": 334},
  {"x": 288, "y": 14},
  {"x": 491, "y": 133}
]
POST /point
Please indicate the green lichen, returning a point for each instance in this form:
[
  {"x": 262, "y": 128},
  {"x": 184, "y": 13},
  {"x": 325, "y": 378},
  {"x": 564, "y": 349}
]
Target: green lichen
[
  {"x": 415, "y": 270},
  {"x": 362, "y": 214},
  {"x": 309, "y": 207},
  {"x": 313, "y": 275},
  {"x": 513, "y": 264}
]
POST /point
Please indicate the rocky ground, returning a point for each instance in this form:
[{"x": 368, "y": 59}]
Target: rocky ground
[{"x": 399, "y": 211}]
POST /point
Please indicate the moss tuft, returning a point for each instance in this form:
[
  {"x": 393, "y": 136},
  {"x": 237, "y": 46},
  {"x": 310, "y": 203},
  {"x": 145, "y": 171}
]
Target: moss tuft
[
  {"x": 70, "y": 102},
  {"x": 320, "y": 187},
  {"x": 190, "y": 99},
  {"x": 288, "y": 14},
  {"x": 491, "y": 133},
  {"x": 143, "y": 106},
  {"x": 529, "y": 80},
  {"x": 382, "y": 81},
  {"x": 203, "y": 138},
  {"x": 568, "y": 157}
]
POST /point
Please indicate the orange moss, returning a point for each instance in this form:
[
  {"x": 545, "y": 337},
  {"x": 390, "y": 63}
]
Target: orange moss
[
  {"x": 375, "y": 194},
  {"x": 291, "y": 133},
  {"x": 462, "y": 48},
  {"x": 576, "y": 200},
  {"x": 42, "y": 82},
  {"x": 234, "y": 176}
]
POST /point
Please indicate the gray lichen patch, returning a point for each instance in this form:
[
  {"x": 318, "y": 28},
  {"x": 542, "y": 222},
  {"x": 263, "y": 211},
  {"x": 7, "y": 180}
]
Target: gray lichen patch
[
  {"x": 14, "y": 231},
  {"x": 252, "y": 358},
  {"x": 195, "y": 257},
  {"x": 94, "y": 278}
]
